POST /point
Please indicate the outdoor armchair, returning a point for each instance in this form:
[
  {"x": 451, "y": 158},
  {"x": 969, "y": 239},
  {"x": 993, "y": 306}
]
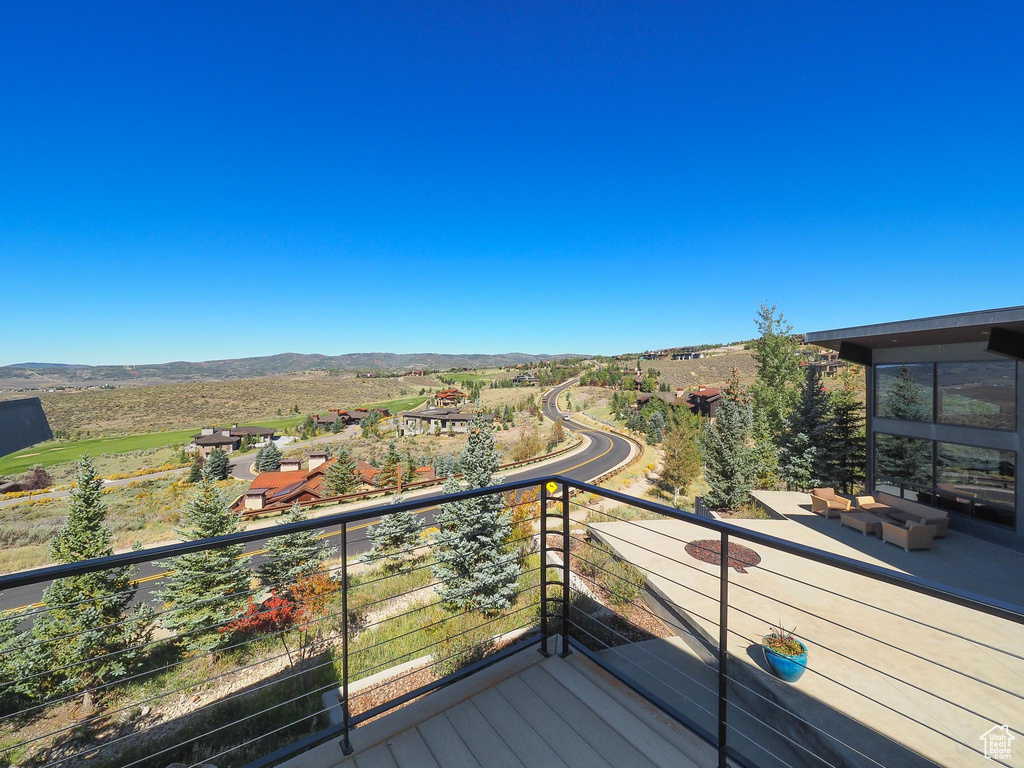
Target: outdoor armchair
[
  {"x": 825, "y": 501},
  {"x": 913, "y": 536}
]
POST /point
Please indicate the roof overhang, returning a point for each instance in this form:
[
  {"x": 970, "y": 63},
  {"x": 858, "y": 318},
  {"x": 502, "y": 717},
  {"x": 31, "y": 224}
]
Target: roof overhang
[{"x": 1001, "y": 329}]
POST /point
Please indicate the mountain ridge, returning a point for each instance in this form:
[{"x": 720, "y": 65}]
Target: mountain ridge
[{"x": 74, "y": 374}]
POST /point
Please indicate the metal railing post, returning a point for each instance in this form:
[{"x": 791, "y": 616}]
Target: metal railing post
[
  {"x": 565, "y": 571},
  {"x": 544, "y": 570},
  {"x": 346, "y": 745},
  {"x": 723, "y": 652}
]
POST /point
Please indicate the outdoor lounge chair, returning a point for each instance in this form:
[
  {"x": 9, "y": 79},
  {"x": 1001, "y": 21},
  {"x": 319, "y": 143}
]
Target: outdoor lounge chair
[
  {"x": 825, "y": 502},
  {"x": 914, "y": 536}
]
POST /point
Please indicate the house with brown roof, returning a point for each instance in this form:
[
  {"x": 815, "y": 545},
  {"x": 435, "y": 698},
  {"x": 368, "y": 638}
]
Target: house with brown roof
[
  {"x": 282, "y": 488},
  {"x": 451, "y": 396},
  {"x": 434, "y": 419},
  {"x": 229, "y": 439},
  {"x": 704, "y": 401}
]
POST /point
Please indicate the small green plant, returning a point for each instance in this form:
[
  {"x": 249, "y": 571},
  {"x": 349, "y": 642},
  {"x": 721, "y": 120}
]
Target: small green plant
[{"x": 782, "y": 641}]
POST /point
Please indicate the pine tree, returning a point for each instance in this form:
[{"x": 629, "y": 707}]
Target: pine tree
[
  {"x": 727, "y": 452},
  {"x": 268, "y": 458},
  {"x": 389, "y": 468},
  {"x": 217, "y": 466},
  {"x": 336, "y": 426},
  {"x": 656, "y": 428},
  {"x": 91, "y": 623},
  {"x": 13, "y": 664},
  {"x": 206, "y": 588},
  {"x": 394, "y": 535},
  {"x": 341, "y": 474},
  {"x": 846, "y": 456},
  {"x": 195, "y": 472},
  {"x": 681, "y": 465},
  {"x": 471, "y": 548},
  {"x": 776, "y": 389},
  {"x": 734, "y": 390},
  {"x": 904, "y": 399},
  {"x": 294, "y": 555},
  {"x": 806, "y": 446}
]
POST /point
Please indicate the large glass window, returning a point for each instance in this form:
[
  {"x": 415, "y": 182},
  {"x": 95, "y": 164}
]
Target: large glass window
[
  {"x": 984, "y": 477},
  {"x": 905, "y": 391},
  {"x": 978, "y": 394},
  {"x": 903, "y": 459}
]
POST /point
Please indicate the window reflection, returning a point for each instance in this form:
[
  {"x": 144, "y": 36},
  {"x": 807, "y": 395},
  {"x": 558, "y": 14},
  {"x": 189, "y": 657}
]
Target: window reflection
[
  {"x": 903, "y": 458},
  {"x": 978, "y": 394},
  {"x": 905, "y": 391}
]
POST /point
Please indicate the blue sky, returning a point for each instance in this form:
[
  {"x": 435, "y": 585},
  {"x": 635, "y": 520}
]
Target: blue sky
[{"x": 215, "y": 180}]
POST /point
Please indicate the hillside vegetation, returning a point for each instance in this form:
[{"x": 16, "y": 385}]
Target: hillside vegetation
[
  {"x": 710, "y": 371},
  {"x": 187, "y": 405}
]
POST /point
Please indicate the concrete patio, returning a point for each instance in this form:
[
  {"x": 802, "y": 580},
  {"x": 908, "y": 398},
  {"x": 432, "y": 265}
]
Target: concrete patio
[{"x": 871, "y": 692}]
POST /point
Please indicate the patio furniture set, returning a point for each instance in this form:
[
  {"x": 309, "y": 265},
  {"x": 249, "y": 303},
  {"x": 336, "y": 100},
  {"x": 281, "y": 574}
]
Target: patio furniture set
[{"x": 908, "y": 528}]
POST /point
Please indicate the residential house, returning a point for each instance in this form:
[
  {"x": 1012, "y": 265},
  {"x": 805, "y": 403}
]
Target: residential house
[
  {"x": 526, "y": 380},
  {"x": 945, "y": 414},
  {"x": 284, "y": 487},
  {"x": 432, "y": 419},
  {"x": 704, "y": 401},
  {"x": 450, "y": 396},
  {"x": 229, "y": 439}
]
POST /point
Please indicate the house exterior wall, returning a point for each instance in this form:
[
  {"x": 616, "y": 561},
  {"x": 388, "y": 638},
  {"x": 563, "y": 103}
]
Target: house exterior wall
[{"x": 1002, "y": 440}]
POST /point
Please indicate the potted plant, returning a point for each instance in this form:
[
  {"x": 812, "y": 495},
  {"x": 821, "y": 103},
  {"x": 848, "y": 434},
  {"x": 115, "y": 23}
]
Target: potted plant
[{"x": 785, "y": 655}]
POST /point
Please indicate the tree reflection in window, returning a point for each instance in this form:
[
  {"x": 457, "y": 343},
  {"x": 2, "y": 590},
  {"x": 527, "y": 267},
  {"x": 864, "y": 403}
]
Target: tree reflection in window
[
  {"x": 903, "y": 458},
  {"x": 905, "y": 392}
]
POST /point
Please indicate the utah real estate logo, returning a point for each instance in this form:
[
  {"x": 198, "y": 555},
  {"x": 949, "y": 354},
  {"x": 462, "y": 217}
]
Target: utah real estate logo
[{"x": 997, "y": 742}]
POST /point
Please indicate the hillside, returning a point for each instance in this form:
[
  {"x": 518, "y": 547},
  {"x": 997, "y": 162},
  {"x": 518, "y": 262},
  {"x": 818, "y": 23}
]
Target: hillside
[
  {"x": 187, "y": 405},
  {"x": 710, "y": 371},
  {"x": 45, "y": 375}
]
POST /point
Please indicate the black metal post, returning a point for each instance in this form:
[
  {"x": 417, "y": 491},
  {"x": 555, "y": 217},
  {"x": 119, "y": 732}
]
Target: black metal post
[
  {"x": 565, "y": 571},
  {"x": 346, "y": 745},
  {"x": 723, "y": 652},
  {"x": 544, "y": 570}
]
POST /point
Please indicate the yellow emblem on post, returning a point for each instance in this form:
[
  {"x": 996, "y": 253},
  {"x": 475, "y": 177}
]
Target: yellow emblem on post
[{"x": 552, "y": 487}]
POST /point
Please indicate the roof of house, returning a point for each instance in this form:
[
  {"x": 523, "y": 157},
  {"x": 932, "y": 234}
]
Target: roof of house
[
  {"x": 282, "y": 487},
  {"x": 252, "y": 431},
  {"x": 367, "y": 472},
  {"x": 448, "y": 414},
  {"x": 216, "y": 439}
]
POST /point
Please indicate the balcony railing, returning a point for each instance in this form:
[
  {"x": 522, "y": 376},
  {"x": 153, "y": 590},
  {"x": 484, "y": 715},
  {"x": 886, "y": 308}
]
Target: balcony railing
[{"x": 900, "y": 671}]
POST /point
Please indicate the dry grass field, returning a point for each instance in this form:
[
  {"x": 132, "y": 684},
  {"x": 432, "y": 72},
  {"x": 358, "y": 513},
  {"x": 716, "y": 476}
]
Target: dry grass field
[
  {"x": 710, "y": 371},
  {"x": 129, "y": 410},
  {"x": 144, "y": 511}
]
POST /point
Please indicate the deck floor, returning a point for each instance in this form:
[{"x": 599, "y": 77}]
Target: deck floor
[{"x": 558, "y": 713}]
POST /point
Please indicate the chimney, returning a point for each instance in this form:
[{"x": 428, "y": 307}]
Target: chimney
[
  {"x": 207, "y": 430},
  {"x": 255, "y": 498},
  {"x": 316, "y": 459}
]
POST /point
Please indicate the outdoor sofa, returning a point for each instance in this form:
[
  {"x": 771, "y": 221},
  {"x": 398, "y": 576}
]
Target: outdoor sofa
[{"x": 905, "y": 511}]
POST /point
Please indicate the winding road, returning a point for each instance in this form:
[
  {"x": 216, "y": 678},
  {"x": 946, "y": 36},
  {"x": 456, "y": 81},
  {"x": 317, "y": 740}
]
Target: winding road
[{"x": 606, "y": 451}]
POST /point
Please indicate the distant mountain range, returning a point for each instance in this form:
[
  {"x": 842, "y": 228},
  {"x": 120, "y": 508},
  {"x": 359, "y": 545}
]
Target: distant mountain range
[{"x": 42, "y": 375}]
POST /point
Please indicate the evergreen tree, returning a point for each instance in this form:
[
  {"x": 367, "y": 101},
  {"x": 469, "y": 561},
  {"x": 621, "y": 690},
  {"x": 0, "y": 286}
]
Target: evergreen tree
[
  {"x": 336, "y": 426},
  {"x": 734, "y": 390},
  {"x": 195, "y": 472},
  {"x": 776, "y": 389},
  {"x": 294, "y": 555},
  {"x": 727, "y": 452},
  {"x": 904, "y": 399},
  {"x": 217, "y": 466},
  {"x": 371, "y": 424},
  {"x": 471, "y": 547},
  {"x": 394, "y": 535},
  {"x": 389, "y": 468},
  {"x": 13, "y": 664},
  {"x": 681, "y": 465},
  {"x": 90, "y": 624},
  {"x": 341, "y": 474},
  {"x": 268, "y": 458},
  {"x": 847, "y": 456},
  {"x": 206, "y": 588},
  {"x": 806, "y": 446},
  {"x": 656, "y": 428}
]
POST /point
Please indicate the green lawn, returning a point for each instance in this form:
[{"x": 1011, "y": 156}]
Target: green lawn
[{"x": 59, "y": 452}]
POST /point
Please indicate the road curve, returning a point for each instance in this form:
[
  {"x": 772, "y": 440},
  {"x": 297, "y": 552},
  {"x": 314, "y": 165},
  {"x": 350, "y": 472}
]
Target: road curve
[{"x": 606, "y": 451}]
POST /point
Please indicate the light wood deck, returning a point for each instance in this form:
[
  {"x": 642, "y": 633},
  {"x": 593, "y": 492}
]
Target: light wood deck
[{"x": 530, "y": 711}]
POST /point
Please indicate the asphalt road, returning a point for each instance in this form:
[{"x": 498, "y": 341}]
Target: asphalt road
[{"x": 605, "y": 451}]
